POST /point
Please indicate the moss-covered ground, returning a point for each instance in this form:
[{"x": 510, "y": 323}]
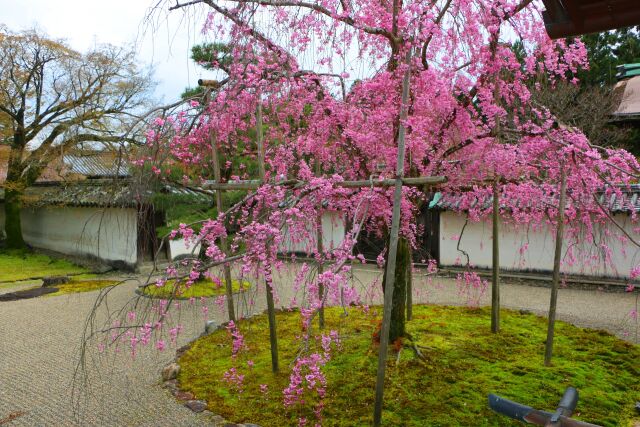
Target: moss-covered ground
[
  {"x": 464, "y": 362},
  {"x": 81, "y": 285},
  {"x": 23, "y": 265},
  {"x": 202, "y": 288}
]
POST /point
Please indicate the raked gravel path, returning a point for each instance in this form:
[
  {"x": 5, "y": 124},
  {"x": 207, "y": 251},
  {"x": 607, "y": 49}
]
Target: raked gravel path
[{"x": 40, "y": 341}]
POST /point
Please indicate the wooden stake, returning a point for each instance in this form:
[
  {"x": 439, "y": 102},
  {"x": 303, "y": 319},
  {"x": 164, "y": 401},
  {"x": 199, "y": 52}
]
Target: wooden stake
[
  {"x": 495, "y": 282},
  {"x": 271, "y": 311},
  {"x": 393, "y": 248},
  {"x": 260, "y": 141},
  {"x": 410, "y": 291},
  {"x": 556, "y": 268},
  {"x": 223, "y": 241},
  {"x": 320, "y": 250}
]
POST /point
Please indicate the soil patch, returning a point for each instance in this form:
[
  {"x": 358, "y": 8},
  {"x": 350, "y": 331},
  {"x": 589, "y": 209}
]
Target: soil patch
[{"x": 27, "y": 293}]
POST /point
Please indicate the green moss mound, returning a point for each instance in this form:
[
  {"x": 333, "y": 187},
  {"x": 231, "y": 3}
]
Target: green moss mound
[
  {"x": 463, "y": 363},
  {"x": 18, "y": 265},
  {"x": 202, "y": 288},
  {"x": 76, "y": 286}
]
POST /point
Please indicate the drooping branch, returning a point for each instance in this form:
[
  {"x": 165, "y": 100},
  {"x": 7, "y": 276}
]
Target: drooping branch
[
  {"x": 301, "y": 4},
  {"x": 425, "y": 45}
]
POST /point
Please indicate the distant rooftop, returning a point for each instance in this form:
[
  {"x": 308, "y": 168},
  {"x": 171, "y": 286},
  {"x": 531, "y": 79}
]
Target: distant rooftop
[
  {"x": 75, "y": 165},
  {"x": 629, "y": 202},
  {"x": 629, "y": 87},
  {"x": 97, "y": 166},
  {"x": 627, "y": 71},
  {"x": 122, "y": 192}
]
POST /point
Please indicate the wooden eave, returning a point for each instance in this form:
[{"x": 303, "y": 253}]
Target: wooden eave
[{"x": 566, "y": 18}]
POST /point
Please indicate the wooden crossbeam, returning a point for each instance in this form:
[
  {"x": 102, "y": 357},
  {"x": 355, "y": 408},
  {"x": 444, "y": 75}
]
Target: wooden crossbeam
[{"x": 254, "y": 184}]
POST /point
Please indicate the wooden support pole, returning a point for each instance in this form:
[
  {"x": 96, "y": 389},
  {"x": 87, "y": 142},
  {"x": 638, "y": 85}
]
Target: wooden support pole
[
  {"x": 548, "y": 351},
  {"x": 271, "y": 311},
  {"x": 410, "y": 291},
  {"x": 228, "y": 283},
  {"x": 393, "y": 248},
  {"x": 260, "y": 142},
  {"x": 495, "y": 276},
  {"x": 320, "y": 251},
  {"x": 495, "y": 256}
]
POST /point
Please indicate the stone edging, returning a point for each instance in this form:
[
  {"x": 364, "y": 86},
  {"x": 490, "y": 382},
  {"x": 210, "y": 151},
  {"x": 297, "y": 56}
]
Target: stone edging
[{"x": 169, "y": 381}]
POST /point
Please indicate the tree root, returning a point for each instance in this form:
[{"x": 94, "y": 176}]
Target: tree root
[
  {"x": 12, "y": 416},
  {"x": 413, "y": 346},
  {"x": 417, "y": 352}
]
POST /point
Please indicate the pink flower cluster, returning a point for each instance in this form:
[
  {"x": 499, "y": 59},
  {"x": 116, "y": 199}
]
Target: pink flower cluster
[
  {"x": 237, "y": 339},
  {"x": 472, "y": 287}
]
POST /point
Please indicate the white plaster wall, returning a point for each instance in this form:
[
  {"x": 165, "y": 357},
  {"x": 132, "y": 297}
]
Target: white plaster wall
[
  {"x": 178, "y": 247},
  {"x": 106, "y": 233},
  {"x": 532, "y": 249},
  {"x": 333, "y": 232}
]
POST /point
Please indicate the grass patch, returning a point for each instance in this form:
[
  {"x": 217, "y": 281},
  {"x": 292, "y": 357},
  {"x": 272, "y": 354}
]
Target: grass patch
[
  {"x": 201, "y": 288},
  {"x": 465, "y": 362},
  {"x": 23, "y": 265}
]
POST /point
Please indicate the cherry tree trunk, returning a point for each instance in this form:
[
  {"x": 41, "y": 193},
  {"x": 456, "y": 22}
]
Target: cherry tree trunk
[
  {"x": 13, "y": 225},
  {"x": 400, "y": 288}
]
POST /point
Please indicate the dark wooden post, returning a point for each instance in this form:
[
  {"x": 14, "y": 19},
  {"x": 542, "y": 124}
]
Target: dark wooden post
[
  {"x": 271, "y": 311},
  {"x": 410, "y": 288},
  {"x": 548, "y": 352},
  {"x": 223, "y": 242},
  {"x": 320, "y": 250},
  {"x": 215, "y": 159},
  {"x": 495, "y": 282},
  {"x": 393, "y": 248}
]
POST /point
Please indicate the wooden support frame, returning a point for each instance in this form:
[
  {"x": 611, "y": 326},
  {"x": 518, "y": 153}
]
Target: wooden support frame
[{"x": 397, "y": 183}]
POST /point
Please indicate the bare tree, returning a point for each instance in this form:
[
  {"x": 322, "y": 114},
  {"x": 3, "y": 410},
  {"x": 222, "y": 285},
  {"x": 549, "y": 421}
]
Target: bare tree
[
  {"x": 52, "y": 99},
  {"x": 589, "y": 109}
]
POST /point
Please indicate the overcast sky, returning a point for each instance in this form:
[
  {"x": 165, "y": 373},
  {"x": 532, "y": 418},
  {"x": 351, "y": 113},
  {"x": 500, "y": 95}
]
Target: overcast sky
[{"x": 166, "y": 42}]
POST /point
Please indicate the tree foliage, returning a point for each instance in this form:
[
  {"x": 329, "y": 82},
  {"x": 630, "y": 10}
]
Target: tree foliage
[
  {"x": 54, "y": 98},
  {"x": 589, "y": 104},
  {"x": 606, "y": 51},
  {"x": 212, "y": 57}
]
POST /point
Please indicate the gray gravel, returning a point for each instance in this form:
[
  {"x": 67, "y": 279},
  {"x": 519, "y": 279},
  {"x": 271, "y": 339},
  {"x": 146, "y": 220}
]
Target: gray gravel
[{"x": 40, "y": 340}]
